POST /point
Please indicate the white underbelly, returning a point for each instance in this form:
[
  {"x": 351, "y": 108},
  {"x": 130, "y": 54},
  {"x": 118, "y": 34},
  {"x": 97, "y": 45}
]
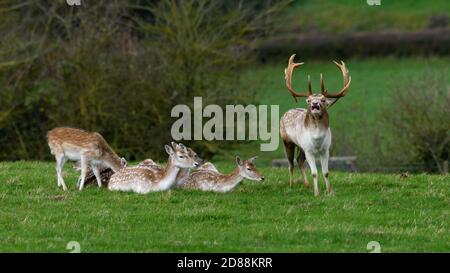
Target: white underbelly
[{"x": 72, "y": 155}]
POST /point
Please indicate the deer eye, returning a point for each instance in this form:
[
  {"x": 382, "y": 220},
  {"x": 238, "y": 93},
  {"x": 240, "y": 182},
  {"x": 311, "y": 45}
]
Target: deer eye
[
  {"x": 180, "y": 156},
  {"x": 248, "y": 169}
]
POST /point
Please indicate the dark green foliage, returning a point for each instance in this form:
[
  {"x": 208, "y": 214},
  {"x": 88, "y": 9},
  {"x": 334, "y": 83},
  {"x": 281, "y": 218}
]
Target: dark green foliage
[
  {"x": 418, "y": 120},
  {"x": 117, "y": 67}
]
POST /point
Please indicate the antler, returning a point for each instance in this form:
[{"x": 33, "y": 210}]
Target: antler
[
  {"x": 347, "y": 81},
  {"x": 288, "y": 77}
]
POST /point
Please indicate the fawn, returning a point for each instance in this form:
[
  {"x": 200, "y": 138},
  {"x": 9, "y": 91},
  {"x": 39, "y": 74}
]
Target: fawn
[
  {"x": 207, "y": 180},
  {"x": 91, "y": 149},
  {"x": 182, "y": 175},
  {"x": 144, "y": 179},
  {"x": 208, "y": 166}
]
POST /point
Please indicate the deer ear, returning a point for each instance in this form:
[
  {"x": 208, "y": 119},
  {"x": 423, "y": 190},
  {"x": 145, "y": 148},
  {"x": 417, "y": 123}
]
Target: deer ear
[
  {"x": 253, "y": 159},
  {"x": 174, "y": 144},
  {"x": 123, "y": 162},
  {"x": 169, "y": 149},
  {"x": 181, "y": 146},
  {"x": 239, "y": 161},
  {"x": 330, "y": 101}
]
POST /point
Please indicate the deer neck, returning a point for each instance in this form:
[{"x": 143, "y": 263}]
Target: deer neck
[
  {"x": 113, "y": 161},
  {"x": 314, "y": 121},
  {"x": 183, "y": 174},
  {"x": 170, "y": 174},
  {"x": 231, "y": 180}
]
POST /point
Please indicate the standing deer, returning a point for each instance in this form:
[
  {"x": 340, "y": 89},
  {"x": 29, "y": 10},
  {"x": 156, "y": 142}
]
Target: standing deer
[
  {"x": 211, "y": 180},
  {"x": 91, "y": 149},
  {"x": 309, "y": 129},
  {"x": 144, "y": 180}
]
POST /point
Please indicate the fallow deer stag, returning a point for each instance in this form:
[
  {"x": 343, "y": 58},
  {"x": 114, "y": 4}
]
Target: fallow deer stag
[
  {"x": 91, "y": 149},
  {"x": 309, "y": 129}
]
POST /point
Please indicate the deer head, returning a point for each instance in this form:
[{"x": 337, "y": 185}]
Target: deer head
[
  {"x": 247, "y": 169},
  {"x": 317, "y": 103},
  {"x": 180, "y": 157},
  {"x": 191, "y": 153}
]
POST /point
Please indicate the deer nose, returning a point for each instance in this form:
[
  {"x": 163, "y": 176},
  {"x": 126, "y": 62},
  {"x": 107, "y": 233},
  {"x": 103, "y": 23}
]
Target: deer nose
[
  {"x": 195, "y": 164},
  {"x": 262, "y": 177}
]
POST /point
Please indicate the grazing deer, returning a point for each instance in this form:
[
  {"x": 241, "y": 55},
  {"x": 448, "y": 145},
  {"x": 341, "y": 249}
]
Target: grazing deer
[
  {"x": 91, "y": 149},
  {"x": 309, "y": 129},
  {"x": 207, "y": 180},
  {"x": 182, "y": 175},
  {"x": 144, "y": 180}
]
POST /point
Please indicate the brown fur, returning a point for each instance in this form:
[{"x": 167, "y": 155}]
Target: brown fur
[
  {"x": 77, "y": 138},
  {"x": 215, "y": 181},
  {"x": 75, "y": 144}
]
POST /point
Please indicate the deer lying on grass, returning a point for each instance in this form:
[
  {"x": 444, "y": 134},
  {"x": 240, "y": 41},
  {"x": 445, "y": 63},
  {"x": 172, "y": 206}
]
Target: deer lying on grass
[
  {"x": 309, "y": 129},
  {"x": 105, "y": 174},
  {"x": 208, "y": 166},
  {"x": 182, "y": 175},
  {"x": 144, "y": 180},
  {"x": 207, "y": 180},
  {"x": 148, "y": 163},
  {"x": 91, "y": 149}
]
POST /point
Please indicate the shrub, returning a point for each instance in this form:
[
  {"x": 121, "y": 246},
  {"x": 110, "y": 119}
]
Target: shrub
[
  {"x": 117, "y": 67},
  {"x": 418, "y": 122}
]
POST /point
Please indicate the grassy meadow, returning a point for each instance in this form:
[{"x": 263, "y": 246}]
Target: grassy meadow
[
  {"x": 353, "y": 118},
  {"x": 333, "y": 16},
  {"x": 403, "y": 215}
]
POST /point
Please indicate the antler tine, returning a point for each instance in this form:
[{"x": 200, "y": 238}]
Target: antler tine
[
  {"x": 288, "y": 77},
  {"x": 309, "y": 86},
  {"x": 346, "y": 78},
  {"x": 322, "y": 85}
]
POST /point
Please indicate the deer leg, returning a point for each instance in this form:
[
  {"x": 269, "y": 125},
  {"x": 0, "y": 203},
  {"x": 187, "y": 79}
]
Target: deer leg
[
  {"x": 84, "y": 167},
  {"x": 97, "y": 175},
  {"x": 301, "y": 164},
  {"x": 312, "y": 164},
  {"x": 324, "y": 163},
  {"x": 60, "y": 160},
  {"x": 289, "y": 149}
]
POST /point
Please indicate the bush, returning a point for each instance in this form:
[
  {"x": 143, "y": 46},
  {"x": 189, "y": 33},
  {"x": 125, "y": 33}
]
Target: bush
[
  {"x": 417, "y": 121},
  {"x": 117, "y": 67}
]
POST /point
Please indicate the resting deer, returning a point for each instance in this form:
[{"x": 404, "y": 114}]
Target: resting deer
[
  {"x": 182, "y": 175},
  {"x": 144, "y": 180},
  {"x": 91, "y": 149},
  {"x": 309, "y": 129},
  {"x": 208, "y": 166},
  {"x": 105, "y": 174},
  {"x": 207, "y": 180}
]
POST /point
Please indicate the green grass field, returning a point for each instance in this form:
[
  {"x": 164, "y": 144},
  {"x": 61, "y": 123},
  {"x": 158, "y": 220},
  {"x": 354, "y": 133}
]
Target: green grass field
[
  {"x": 403, "y": 215},
  {"x": 333, "y": 16}
]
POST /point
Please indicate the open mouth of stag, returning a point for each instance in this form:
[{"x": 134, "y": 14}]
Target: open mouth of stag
[{"x": 315, "y": 107}]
